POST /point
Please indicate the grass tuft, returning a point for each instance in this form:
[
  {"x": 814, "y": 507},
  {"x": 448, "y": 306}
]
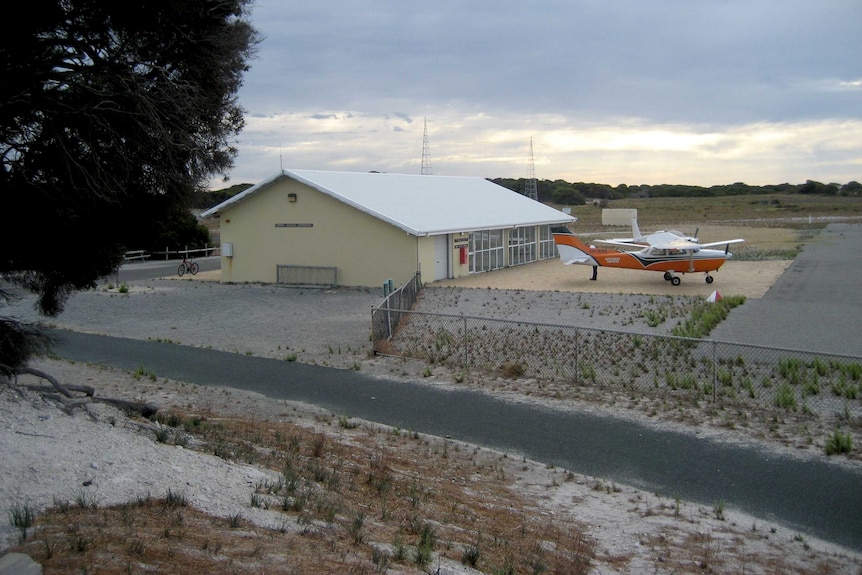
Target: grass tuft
[{"x": 839, "y": 443}]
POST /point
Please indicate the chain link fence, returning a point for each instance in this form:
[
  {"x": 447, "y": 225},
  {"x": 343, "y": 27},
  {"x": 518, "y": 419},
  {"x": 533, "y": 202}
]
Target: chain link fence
[
  {"x": 386, "y": 318},
  {"x": 689, "y": 370}
]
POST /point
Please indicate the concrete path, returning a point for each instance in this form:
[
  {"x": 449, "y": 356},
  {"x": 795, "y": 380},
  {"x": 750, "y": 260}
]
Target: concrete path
[{"x": 815, "y": 497}]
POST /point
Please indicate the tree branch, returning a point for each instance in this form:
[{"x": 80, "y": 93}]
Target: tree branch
[
  {"x": 65, "y": 390},
  {"x": 69, "y": 402}
]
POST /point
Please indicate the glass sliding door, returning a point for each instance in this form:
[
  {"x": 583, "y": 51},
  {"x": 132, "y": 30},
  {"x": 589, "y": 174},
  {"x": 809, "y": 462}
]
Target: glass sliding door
[{"x": 486, "y": 251}]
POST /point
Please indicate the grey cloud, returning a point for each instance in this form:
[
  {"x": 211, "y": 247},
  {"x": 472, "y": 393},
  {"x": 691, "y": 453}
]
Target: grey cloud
[{"x": 703, "y": 62}]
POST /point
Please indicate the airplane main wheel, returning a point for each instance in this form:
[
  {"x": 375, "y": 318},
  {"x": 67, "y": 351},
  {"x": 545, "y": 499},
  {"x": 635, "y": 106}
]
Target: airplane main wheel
[
  {"x": 709, "y": 279},
  {"x": 667, "y": 276},
  {"x": 675, "y": 281}
]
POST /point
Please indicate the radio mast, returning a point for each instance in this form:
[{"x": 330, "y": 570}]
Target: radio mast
[
  {"x": 426, "y": 153},
  {"x": 531, "y": 188}
]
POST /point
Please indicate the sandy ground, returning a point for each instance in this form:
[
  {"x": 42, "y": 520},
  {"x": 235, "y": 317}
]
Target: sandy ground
[
  {"x": 49, "y": 456},
  {"x": 750, "y": 279}
]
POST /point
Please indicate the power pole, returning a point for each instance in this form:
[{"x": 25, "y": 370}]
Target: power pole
[
  {"x": 426, "y": 153},
  {"x": 531, "y": 188}
]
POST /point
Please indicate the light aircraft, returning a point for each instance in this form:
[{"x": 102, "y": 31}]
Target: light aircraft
[{"x": 670, "y": 252}]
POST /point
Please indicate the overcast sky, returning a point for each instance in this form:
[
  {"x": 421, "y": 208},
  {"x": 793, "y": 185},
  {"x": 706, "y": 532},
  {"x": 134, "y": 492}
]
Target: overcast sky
[{"x": 629, "y": 91}]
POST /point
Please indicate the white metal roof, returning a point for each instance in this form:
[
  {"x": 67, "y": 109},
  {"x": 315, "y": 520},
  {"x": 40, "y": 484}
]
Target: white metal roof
[{"x": 421, "y": 205}]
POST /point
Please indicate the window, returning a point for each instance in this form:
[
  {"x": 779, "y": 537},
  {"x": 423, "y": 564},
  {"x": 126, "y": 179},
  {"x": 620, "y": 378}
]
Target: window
[
  {"x": 547, "y": 248},
  {"x": 486, "y": 251},
  {"x": 522, "y": 245}
]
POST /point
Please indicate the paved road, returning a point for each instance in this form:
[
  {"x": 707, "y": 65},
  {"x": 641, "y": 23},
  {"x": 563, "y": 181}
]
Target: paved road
[
  {"x": 814, "y": 497},
  {"x": 161, "y": 268}
]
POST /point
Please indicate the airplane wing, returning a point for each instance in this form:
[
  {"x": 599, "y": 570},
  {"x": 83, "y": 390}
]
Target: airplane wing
[
  {"x": 724, "y": 243},
  {"x": 671, "y": 241},
  {"x": 622, "y": 243},
  {"x": 665, "y": 241},
  {"x": 660, "y": 240}
]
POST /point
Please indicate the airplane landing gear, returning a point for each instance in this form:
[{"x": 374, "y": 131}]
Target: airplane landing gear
[
  {"x": 674, "y": 280},
  {"x": 709, "y": 279}
]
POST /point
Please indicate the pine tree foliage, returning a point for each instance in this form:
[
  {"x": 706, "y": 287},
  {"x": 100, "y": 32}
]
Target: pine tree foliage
[{"x": 112, "y": 115}]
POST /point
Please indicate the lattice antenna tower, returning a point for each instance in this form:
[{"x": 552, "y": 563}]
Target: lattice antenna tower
[
  {"x": 531, "y": 188},
  {"x": 426, "y": 153}
]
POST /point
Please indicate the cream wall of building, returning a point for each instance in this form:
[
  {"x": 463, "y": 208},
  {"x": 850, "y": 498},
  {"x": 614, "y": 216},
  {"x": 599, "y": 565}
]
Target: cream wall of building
[
  {"x": 456, "y": 240},
  {"x": 425, "y": 247},
  {"x": 428, "y": 256},
  {"x": 314, "y": 230}
]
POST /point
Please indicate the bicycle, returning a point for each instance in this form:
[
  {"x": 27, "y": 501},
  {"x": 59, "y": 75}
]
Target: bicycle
[{"x": 187, "y": 266}]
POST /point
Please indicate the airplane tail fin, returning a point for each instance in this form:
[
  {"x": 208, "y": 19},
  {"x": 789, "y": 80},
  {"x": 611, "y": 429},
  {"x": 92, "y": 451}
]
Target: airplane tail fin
[
  {"x": 636, "y": 232},
  {"x": 572, "y": 250}
]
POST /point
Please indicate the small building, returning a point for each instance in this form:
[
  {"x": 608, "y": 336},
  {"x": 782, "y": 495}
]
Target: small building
[
  {"x": 362, "y": 229},
  {"x": 619, "y": 216}
]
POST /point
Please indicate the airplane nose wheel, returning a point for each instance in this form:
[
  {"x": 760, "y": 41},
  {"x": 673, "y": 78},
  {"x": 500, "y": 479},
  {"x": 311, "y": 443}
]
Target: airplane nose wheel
[{"x": 709, "y": 279}]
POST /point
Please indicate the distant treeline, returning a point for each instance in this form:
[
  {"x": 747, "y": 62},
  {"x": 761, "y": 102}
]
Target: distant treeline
[
  {"x": 207, "y": 200},
  {"x": 563, "y": 192}
]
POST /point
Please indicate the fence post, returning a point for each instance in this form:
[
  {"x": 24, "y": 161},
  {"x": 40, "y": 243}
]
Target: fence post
[
  {"x": 577, "y": 342},
  {"x": 714, "y": 372},
  {"x": 466, "y": 346}
]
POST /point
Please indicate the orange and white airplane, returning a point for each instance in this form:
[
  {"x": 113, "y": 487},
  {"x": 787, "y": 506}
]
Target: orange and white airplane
[{"x": 670, "y": 252}]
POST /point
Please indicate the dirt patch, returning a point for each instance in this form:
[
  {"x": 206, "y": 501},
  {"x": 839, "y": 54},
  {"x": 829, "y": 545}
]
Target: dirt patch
[
  {"x": 749, "y": 279},
  {"x": 366, "y": 497}
]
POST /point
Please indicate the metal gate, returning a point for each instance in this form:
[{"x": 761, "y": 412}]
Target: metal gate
[{"x": 307, "y": 276}]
